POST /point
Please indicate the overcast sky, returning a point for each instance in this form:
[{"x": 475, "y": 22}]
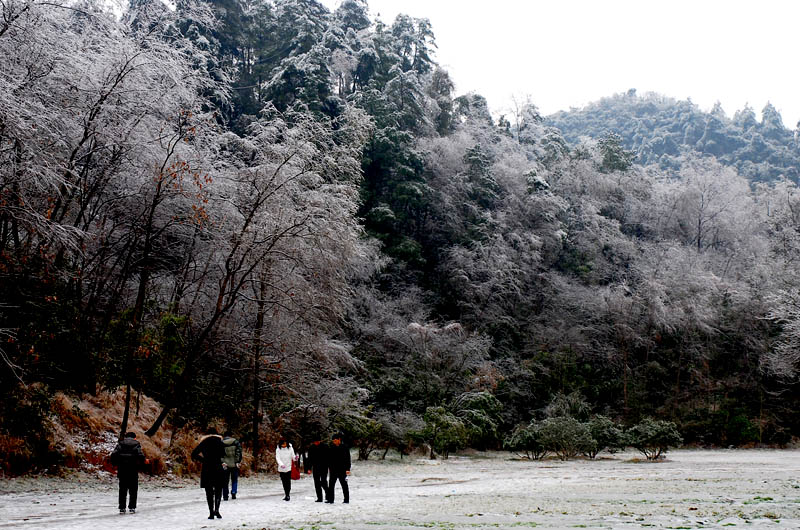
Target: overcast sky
[{"x": 567, "y": 53}]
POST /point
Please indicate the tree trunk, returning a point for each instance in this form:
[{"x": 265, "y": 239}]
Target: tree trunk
[
  {"x": 625, "y": 381},
  {"x": 124, "y": 427},
  {"x": 257, "y": 334},
  {"x": 138, "y": 308},
  {"x": 157, "y": 424}
]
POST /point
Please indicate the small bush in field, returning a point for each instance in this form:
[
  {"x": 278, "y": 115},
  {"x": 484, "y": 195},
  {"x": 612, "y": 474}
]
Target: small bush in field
[
  {"x": 606, "y": 434},
  {"x": 654, "y": 437},
  {"x": 565, "y": 436},
  {"x": 526, "y": 439},
  {"x": 443, "y": 431}
]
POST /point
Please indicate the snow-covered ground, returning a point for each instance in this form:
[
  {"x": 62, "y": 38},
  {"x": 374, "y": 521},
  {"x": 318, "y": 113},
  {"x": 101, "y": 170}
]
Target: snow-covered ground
[{"x": 691, "y": 489}]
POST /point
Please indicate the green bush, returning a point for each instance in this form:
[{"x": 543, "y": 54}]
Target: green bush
[
  {"x": 654, "y": 437},
  {"x": 526, "y": 439},
  {"x": 444, "y": 431},
  {"x": 565, "y": 436},
  {"x": 479, "y": 411},
  {"x": 573, "y": 405},
  {"x": 606, "y": 435},
  {"x": 365, "y": 432}
]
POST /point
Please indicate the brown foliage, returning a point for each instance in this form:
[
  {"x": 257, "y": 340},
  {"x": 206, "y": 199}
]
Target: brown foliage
[
  {"x": 16, "y": 454},
  {"x": 86, "y": 429}
]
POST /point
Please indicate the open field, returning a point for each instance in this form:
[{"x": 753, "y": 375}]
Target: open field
[{"x": 691, "y": 489}]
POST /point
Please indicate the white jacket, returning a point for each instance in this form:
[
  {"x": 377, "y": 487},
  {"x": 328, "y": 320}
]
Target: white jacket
[{"x": 284, "y": 457}]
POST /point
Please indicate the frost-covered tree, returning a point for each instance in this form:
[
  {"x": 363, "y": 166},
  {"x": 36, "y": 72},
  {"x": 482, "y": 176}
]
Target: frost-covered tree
[
  {"x": 653, "y": 438},
  {"x": 286, "y": 196},
  {"x": 102, "y": 171},
  {"x": 565, "y": 436},
  {"x": 709, "y": 206}
]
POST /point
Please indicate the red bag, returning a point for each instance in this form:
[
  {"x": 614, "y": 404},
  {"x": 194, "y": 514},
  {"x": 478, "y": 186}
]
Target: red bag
[{"x": 295, "y": 470}]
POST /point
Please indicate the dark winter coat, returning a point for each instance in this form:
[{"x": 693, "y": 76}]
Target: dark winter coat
[
  {"x": 338, "y": 459},
  {"x": 317, "y": 458},
  {"x": 233, "y": 451},
  {"x": 127, "y": 456},
  {"x": 210, "y": 452}
]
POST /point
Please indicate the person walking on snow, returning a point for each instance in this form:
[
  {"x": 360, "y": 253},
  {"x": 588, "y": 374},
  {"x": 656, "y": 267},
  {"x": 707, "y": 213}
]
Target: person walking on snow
[
  {"x": 128, "y": 456},
  {"x": 316, "y": 462},
  {"x": 284, "y": 456},
  {"x": 210, "y": 452},
  {"x": 231, "y": 460},
  {"x": 339, "y": 465}
]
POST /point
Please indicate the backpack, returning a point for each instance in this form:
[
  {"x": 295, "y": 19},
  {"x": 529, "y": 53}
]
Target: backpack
[
  {"x": 233, "y": 452},
  {"x": 126, "y": 453}
]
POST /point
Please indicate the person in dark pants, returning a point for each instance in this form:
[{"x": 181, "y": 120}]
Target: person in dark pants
[
  {"x": 128, "y": 456},
  {"x": 210, "y": 452},
  {"x": 316, "y": 462},
  {"x": 339, "y": 465},
  {"x": 232, "y": 458},
  {"x": 284, "y": 456}
]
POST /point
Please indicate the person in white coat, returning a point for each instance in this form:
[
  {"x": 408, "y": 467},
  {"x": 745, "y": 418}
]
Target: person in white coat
[{"x": 284, "y": 456}]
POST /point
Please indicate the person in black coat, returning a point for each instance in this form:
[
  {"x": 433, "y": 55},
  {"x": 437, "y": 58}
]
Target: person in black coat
[
  {"x": 209, "y": 452},
  {"x": 316, "y": 462},
  {"x": 128, "y": 456},
  {"x": 339, "y": 465}
]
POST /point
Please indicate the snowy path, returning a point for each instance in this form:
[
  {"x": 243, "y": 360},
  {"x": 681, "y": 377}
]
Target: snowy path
[{"x": 692, "y": 489}]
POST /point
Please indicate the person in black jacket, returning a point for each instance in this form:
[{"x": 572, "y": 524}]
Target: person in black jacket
[
  {"x": 339, "y": 465},
  {"x": 210, "y": 452},
  {"x": 127, "y": 456},
  {"x": 316, "y": 462}
]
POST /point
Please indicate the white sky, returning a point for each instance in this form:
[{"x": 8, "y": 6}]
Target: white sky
[{"x": 567, "y": 53}]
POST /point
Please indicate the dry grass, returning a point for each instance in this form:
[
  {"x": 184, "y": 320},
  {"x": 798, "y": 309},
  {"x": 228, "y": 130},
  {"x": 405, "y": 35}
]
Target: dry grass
[
  {"x": 183, "y": 442},
  {"x": 15, "y": 451},
  {"x": 85, "y": 430}
]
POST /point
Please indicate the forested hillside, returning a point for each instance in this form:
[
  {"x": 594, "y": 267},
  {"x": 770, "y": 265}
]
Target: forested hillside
[
  {"x": 285, "y": 219},
  {"x": 660, "y": 130}
]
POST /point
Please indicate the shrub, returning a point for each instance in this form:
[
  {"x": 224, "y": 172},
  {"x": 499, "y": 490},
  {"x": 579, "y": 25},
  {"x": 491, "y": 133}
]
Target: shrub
[
  {"x": 443, "y": 431},
  {"x": 16, "y": 455},
  {"x": 526, "y": 439},
  {"x": 365, "y": 432},
  {"x": 573, "y": 405},
  {"x": 26, "y": 430},
  {"x": 479, "y": 411},
  {"x": 180, "y": 451},
  {"x": 606, "y": 434},
  {"x": 565, "y": 436},
  {"x": 654, "y": 437},
  {"x": 398, "y": 429}
]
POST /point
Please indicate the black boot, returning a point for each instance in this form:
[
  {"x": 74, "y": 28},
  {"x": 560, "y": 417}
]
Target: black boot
[{"x": 210, "y": 502}]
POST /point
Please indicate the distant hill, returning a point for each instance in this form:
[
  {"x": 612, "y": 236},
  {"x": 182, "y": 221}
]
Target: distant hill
[{"x": 659, "y": 129}]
